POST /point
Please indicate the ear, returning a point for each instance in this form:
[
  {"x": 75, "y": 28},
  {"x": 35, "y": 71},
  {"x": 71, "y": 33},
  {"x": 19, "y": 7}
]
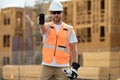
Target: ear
[
  {"x": 50, "y": 13},
  {"x": 62, "y": 13}
]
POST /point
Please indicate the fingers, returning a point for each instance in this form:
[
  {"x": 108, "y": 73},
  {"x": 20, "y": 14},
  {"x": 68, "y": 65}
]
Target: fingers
[
  {"x": 70, "y": 74},
  {"x": 38, "y": 20}
]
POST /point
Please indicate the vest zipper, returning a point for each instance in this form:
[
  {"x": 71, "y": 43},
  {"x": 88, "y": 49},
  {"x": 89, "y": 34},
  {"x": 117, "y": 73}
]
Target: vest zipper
[{"x": 55, "y": 45}]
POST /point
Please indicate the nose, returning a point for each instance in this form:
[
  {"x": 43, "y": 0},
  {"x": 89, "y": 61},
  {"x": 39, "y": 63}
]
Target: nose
[{"x": 55, "y": 14}]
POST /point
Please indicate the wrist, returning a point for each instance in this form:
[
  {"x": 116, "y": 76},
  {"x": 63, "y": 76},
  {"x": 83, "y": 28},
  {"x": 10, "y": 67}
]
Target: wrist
[{"x": 75, "y": 65}]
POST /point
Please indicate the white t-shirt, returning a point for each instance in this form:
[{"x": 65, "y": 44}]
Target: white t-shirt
[{"x": 73, "y": 39}]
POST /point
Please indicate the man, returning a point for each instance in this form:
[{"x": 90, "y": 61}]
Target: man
[{"x": 59, "y": 44}]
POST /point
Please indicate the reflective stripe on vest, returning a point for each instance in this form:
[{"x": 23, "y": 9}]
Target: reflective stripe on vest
[{"x": 58, "y": 47}]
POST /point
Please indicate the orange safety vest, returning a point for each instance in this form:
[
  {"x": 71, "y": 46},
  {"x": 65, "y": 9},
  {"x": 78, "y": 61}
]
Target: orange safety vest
[{"x": 57, "y": 45}]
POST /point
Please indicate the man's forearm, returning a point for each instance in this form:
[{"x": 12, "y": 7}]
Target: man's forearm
[{"x": 74, "y": 53}]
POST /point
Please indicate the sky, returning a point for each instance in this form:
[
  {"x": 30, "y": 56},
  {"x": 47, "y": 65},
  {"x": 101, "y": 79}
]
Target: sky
[
  {"x": 16, "y": 3},
  {"x": 19, "y": 3}
]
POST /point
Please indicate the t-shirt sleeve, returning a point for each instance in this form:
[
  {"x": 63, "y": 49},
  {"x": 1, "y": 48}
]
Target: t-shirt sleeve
[{"x": 73, "y": 38}]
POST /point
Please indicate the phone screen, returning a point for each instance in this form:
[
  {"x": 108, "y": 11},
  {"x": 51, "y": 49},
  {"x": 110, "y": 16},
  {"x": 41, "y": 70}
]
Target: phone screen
[{"x": 41, "y": 19}]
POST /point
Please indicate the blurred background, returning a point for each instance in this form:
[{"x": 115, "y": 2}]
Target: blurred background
[{"x": 97, "y": 26}]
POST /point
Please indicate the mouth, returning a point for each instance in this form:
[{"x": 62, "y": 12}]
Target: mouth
[{"x": 57, "y": 19}]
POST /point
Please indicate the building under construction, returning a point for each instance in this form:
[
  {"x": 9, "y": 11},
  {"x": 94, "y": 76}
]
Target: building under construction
[
  {"x": 97, "y": 24},
  {"x": 16, "y": 35}
]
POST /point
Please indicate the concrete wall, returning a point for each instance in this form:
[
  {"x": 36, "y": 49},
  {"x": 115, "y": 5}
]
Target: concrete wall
[
  {"x": 100, "y": 65},
  {"x": 28, "y": 72}
]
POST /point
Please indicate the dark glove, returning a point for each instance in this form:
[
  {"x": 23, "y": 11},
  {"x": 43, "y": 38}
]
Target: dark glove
[{"x": 72, "y": 72}]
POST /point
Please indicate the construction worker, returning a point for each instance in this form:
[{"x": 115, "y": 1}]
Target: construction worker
[{"x": 59, "y": 45}]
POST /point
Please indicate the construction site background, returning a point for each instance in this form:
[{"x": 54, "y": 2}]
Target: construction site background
[{"x": 96, "y": 23}]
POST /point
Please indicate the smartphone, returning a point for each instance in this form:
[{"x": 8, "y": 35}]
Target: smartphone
[{"x": 41, "y": 19}]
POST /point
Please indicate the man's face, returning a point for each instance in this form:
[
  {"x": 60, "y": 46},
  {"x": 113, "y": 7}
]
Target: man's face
[{"x": 56, "y": 16}]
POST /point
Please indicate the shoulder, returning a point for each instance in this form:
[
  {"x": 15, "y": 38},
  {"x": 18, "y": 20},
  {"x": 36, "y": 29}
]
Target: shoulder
[
  {"x": 69, "y": 26},
  {"x": 48, "y": 23}
]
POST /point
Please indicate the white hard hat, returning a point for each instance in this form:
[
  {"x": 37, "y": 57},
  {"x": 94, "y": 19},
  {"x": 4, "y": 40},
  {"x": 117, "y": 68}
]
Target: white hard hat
[{"x": 56, "y": 6}]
